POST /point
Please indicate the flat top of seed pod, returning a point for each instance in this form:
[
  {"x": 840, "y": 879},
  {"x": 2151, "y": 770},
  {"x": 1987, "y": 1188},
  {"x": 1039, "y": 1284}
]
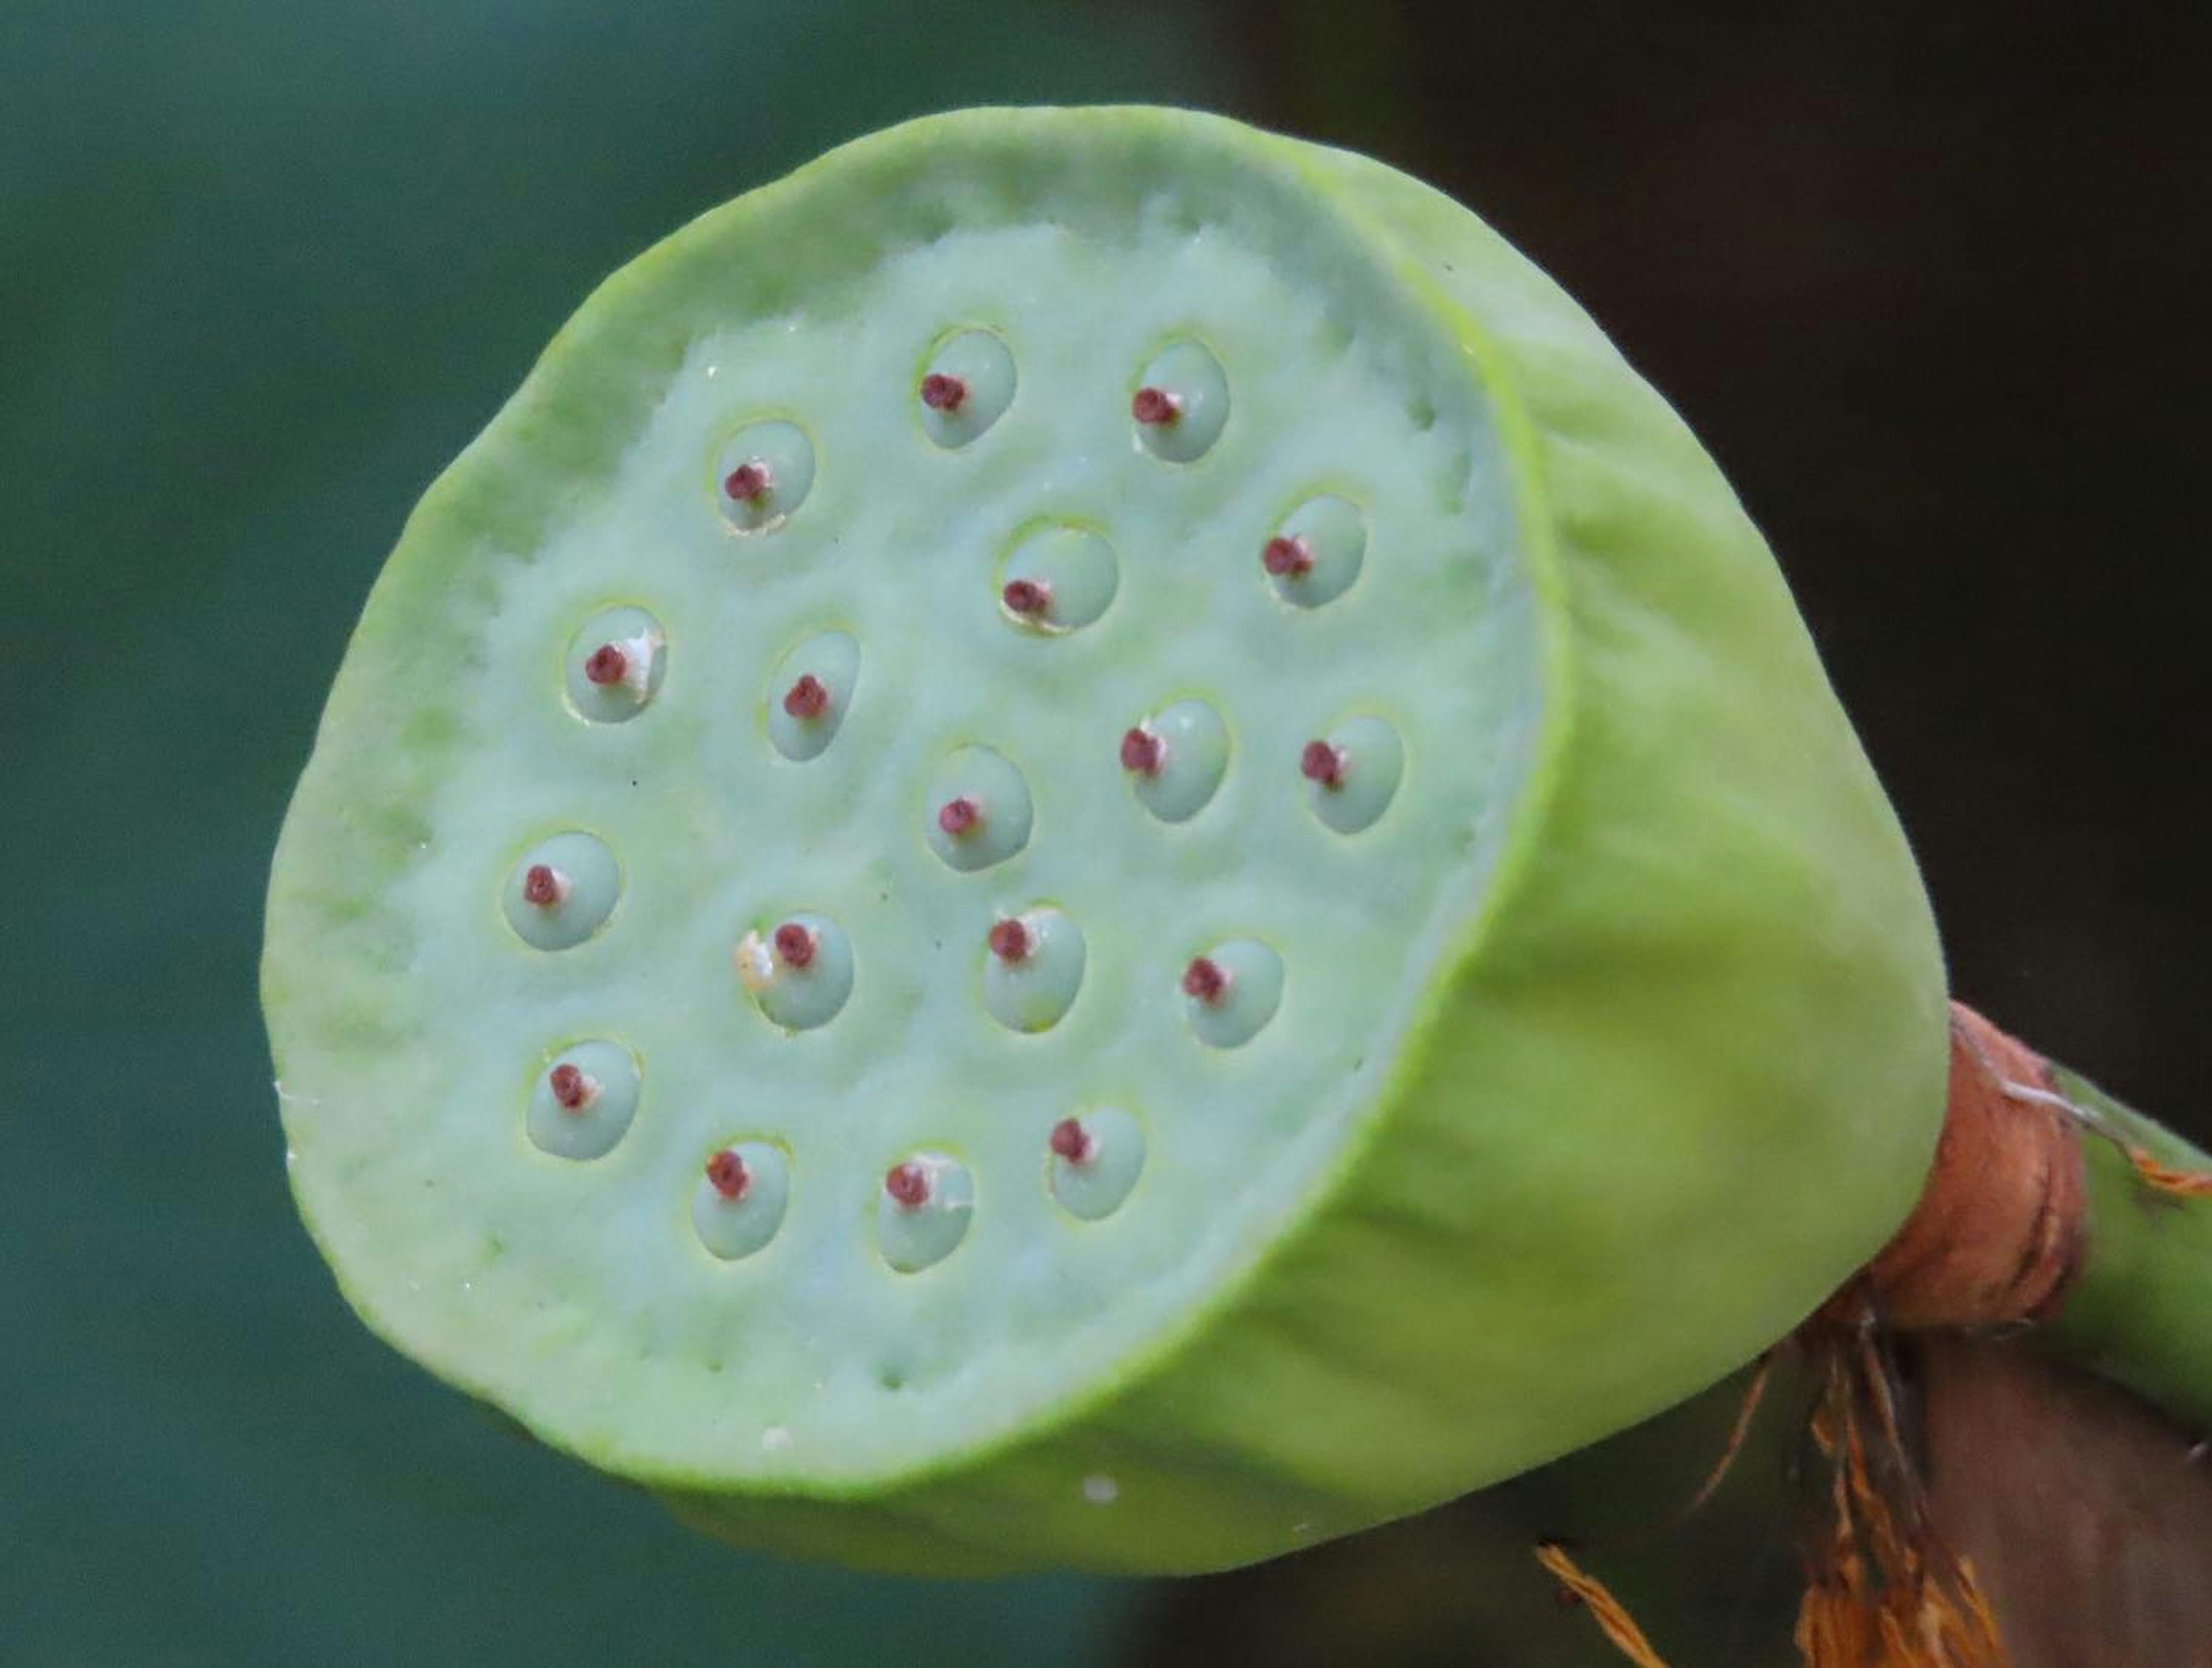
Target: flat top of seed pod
[{"x": 843, "y": 874}]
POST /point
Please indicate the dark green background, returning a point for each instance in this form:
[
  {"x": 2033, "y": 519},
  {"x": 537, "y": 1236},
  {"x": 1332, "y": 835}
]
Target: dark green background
[{"x": 1926, "y": 285}]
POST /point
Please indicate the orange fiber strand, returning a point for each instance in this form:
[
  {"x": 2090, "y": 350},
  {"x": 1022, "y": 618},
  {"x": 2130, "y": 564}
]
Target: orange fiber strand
[
  {"x": 1610, "y": 1614},
  {"x": 1881, "y": 1591},
  {"x": 2182, "y": 1184}
]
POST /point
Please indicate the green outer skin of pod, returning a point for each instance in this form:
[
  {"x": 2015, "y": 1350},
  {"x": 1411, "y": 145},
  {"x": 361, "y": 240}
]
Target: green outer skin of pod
[{"x": 1681, "y": 1076}]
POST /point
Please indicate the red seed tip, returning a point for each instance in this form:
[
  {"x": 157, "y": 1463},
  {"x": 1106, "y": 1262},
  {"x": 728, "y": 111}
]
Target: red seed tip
[
  {"x": 940, "y": 392},
  {"x": 728, "y": 1173},
  {"x": 542, "y": 885},
  {"x": 571, "y": 1087},
  {"x": 607, "y": 665},
  {"x": 1070, "y": 1141},
  {"x": 1030, "y": 597},
  {"x": 794, "y": 944},
  {"x": 1204, "y": 980},
  {"x": 1010, "y": 940},
  {"x": 806, "y": 699},
  {"x": 957, "y": 816},
  {"x": 1322, "y": 763},
  {"x": 749, "y": 482},
  {"x": 908, "y": 1185},
  {"x": 1155, "y": 406},
  {"x": 1287, "y": 558},
  {"x": 1140, "y": 752}
]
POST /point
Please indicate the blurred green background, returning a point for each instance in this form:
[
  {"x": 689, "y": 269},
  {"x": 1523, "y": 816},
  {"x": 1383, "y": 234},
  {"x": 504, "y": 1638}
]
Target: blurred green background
[{"x": 1924, "y": 282}]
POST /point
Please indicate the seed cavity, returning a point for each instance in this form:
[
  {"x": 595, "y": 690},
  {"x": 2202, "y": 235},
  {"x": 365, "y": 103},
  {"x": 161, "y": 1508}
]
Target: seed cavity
[
  {"x": 1181, "y": 403},
  {"x": 967, "y": 388},
  {"x": 738, "y": 1202},
  {"x": 1176, "y": 759},
  {"x": 809, "y": 694},
  {"x": 1354, "y": 774},
  {"x": 614, "y": 664},
  {"x": 1033, "y": 968},
  {"x": 923, "y": 1211},
  {"x": 1316, "y": 552},
  {"x": 1096, "y": 1159},
  {"x": 980, "y": 810},
  {"x": 1058, "y": 578},
  {"x": 1231, "y": 991},
  {"x": 762, "y": 474},
  {"x": 563, "y": 891},
  {"x": 800, "y": 973},
  {"x": 582, "y": 1104}
]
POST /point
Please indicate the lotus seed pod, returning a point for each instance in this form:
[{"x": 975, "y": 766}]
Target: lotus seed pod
[{"x": 1504, "y": 1001}]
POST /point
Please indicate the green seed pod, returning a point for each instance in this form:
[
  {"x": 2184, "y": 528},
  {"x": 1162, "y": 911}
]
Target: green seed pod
[{"x": 1484, "y": 995}]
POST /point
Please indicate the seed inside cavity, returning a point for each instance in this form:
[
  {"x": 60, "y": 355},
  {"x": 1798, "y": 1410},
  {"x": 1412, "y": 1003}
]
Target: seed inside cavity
[
  {"x": 923, "y": 1209},
  {"x": 738, "y": 1203},
  {"x": 800, "y": 974},
  {"x": 728, "y": 1173},
  {"x": 615, "y": 665},
  {"x": 810, "y": 693},
  {"x": 762, "y": 474},
  {"x": 1058, "y": 578},
  {"x": 1316, "y": 552},
  {"x": 582, "y": 1106},
  {"x": 563, "y": 891},
  {"x": 1181, "y": 403},
  {"x": 980, "y": 811},
  {"x": 1035, "y": 968},
  {"x": 1368, "y": 762},
  {"x": 1231, "y": 991},
  {"x": 1095, "y": 1160},
  {"x": 967, "y": 388},
  {"x": 1176, "y": 758}
]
